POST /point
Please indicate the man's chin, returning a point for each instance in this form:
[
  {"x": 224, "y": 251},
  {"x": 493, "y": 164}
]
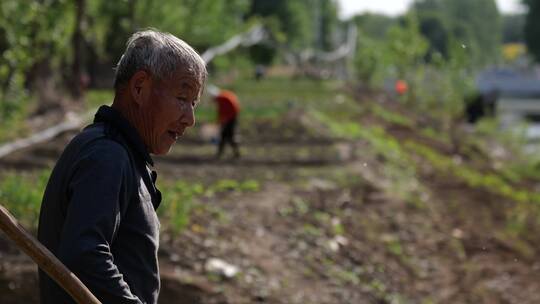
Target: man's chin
[{"x": 163, "y": 150}]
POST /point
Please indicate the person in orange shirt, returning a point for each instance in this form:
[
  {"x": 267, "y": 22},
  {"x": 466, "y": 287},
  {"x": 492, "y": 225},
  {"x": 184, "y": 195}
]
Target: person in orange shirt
[
  {"x": 228, "y": 109},
  {"x": 401, "y": 87}
]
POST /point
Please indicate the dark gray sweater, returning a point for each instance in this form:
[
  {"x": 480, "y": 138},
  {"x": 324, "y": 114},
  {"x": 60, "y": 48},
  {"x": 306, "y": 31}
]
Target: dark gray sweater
[{"x": 98, "y": 214}]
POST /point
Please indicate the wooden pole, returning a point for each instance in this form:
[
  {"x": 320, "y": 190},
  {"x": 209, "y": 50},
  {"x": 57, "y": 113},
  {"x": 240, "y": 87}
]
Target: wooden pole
[{"x": 45, "y": 259}]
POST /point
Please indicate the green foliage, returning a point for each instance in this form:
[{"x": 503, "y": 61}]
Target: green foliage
[
  {"x": 399, "y": 168},
  {"x": 110, "y": 24},
  {"x": 225, "y": 185},
  {"x": 513, "y": 28},
  {"x": 340, "y": 129},
  {"x": 30, "y": 31},
  {"x": 524, "y": 165},
  {"x": 482, "y": 18},
  {"x": 532, "y": 28},
  {"x": 328, "y": 24},
  {"x": 300, "y": 205},
  {"x": 292, "y": 16},
  {"x": 433, "y": 26},
  {"x": 29, "y": 34},
  {"x": 181, "y": 198},
  {"x": 403, "y": 49},
  {"x": 203, "y": 23},
  {"x": 488, "y": 181},
  {"x": 433, "y": 53},
  {"x": 406, "y": 46},
  {"x": 373, "y": 26},
  {"x": 276, "y": 97},
  {"x": 434, "y": 135},
  {"x": 311, "y": 230},
  {"x": 178, "y": 199},
  {"x": 391, "y": 117},
  {"x": 21, "y": 194},
  {"x": 12, "y": 123},
  {"x": 262, "y": 54},
  {"x": 441, "y": 87},
  {"x": 395, "y": 247},
  {"x": 476, "y": 24},
  {"x": 371, "y": 61},
  {"x": 96, "y": 98},
  {"x": 302, "y": 23}
]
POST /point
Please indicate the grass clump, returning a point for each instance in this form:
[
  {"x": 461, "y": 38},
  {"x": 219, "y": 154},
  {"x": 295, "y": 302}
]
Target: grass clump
[
  {"x": 490, "y": 182},
  {"x": 391, "y": 117},
  {"x": 96, "y": 98},
  {"x": 181, "y": 198},
  {"x": 21, "y": 194}
]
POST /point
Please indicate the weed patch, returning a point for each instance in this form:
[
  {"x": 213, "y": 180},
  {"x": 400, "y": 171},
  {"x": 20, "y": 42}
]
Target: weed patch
[
  {"x": 21, "y": 194},
  {"x": 181, "y": 198}
]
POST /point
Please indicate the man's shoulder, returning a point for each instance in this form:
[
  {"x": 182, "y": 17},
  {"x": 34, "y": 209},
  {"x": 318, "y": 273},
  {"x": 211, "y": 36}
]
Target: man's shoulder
[{"x": 98, "y": 142}]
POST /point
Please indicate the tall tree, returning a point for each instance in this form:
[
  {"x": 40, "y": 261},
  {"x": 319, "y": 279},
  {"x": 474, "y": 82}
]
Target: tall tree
[
  {"x": 295, "y": 19},
  {"x": 33, "y": 43},
  {"x": 483, "y": 20},
  {"x": 513, "y": 28},
  {"x": 302, "y": 23},
  {"x": 532, "y": 28},
  {"x": 374, "y": 26},
  {"x": 77, "y": 42},
  {"x": 475, "y": 24},
  {"x": 328, "y": 24},
  {"x": 435, "y": 29}
]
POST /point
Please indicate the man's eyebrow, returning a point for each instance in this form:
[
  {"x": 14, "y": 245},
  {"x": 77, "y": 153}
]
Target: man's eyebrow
[
  {"x": 182, "y": 86},
  {"x": 187, "y": 83}
]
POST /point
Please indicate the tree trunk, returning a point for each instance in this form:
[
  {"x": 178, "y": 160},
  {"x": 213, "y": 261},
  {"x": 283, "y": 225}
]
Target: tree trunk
[{"x": 78, "y": 79}]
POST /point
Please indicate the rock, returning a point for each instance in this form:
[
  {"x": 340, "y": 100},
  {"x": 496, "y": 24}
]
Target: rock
[
  {"x": 180, "y": 289},
  {"x": 336, "y": 242},
  {"x": 218, "y": 266}
]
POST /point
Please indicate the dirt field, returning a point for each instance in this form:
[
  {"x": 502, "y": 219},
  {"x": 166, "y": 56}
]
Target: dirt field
[{"x": 323, "y": 227}]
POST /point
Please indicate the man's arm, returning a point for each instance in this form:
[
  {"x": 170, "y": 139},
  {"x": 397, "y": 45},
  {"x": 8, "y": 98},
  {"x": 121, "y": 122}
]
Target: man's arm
[{"x": 99, "y": 189}]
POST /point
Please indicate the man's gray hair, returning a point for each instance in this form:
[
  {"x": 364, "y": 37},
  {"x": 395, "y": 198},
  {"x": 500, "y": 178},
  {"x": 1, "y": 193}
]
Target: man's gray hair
[{"x": 159, "y": 53}]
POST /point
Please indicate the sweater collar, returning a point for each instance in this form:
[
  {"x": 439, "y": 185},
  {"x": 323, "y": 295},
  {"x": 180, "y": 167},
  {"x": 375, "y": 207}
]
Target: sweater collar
[{"x": 114, "y": 117}]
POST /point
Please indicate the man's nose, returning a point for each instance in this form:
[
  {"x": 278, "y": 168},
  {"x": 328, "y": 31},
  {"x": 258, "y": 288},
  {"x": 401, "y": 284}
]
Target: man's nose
[{"x": 188, "y": 117}]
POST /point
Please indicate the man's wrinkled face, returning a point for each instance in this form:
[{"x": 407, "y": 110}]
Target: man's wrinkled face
[{"x": 171, "y": 110}]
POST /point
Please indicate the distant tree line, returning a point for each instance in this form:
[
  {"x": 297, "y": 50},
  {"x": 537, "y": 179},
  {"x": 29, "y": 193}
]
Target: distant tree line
[
  {"x": 59, "y": 42},
  {"x": 68, "y": 39},
  {"x": 532, "y": 27}
]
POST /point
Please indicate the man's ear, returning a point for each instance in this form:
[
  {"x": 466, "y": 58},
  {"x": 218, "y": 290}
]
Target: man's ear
[{"x": 140, "y": 86}]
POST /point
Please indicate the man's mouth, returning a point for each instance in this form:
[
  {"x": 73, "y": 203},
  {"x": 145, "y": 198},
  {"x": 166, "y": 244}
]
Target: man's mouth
[{"x": 174, "y": 134}]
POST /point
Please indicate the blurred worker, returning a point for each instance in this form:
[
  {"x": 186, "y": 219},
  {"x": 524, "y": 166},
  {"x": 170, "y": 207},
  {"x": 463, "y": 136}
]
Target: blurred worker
[
  {"x": 401, "y": 87},
  {"x": 228, "y": 110},
  {"x": 98, "y": 213}
]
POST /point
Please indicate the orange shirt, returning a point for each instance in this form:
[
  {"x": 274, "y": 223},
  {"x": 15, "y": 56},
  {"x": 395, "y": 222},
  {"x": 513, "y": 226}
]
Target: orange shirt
[
  {"x": 401, "y": 87},
  {"x": 228, "y": 106}
]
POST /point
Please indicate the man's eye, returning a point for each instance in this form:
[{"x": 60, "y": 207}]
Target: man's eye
[{"x": 184, "y": 101}]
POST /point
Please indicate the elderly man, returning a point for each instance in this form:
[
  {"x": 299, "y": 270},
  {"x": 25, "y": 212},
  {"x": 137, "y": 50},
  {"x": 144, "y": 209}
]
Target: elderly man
[{"x": 98, "y": 211}]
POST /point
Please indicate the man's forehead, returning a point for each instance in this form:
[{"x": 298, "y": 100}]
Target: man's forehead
[{"x": 186, "y": 78}]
